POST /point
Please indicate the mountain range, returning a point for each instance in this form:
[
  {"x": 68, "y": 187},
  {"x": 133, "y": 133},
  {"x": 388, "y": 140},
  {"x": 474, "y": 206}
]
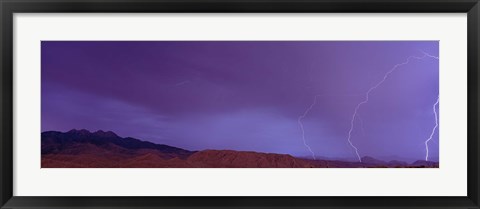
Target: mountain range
[{"x": 105, "y": 149}]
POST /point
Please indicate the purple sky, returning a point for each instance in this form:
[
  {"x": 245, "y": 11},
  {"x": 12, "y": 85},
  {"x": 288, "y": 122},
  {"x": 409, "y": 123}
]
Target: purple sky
[{"x": 247, "y": 95}]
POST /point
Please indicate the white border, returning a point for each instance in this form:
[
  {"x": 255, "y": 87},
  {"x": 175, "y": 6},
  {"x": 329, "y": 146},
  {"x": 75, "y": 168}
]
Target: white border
[{"x": 449, "y": 180}]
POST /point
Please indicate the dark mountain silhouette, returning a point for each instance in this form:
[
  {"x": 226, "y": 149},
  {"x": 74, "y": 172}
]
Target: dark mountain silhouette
[
  {"x": 423, "y": 163},
  {"x": 58, "y": 142},
  {"x": 389, "y": 158},
  {"x": 105, "y": 149}
]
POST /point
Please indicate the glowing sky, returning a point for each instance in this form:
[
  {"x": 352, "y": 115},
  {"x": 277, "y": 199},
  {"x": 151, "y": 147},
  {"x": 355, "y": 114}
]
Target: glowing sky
[{"x": 247, "y": 95}]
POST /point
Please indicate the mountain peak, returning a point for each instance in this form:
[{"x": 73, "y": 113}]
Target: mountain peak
[
  {"x": 81, "y": 131},
  {"x": 105, "y": 133},
  {"x": 371, "y": 160},
  {"x": 424, "y": 163},
  {"x": 99, "y": 133}
]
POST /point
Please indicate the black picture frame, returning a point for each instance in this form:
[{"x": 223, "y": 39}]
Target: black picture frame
[{"x": 9, "y": 7}]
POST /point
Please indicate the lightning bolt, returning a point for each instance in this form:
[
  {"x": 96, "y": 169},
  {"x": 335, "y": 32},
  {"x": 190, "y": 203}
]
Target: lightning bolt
[
  {"x": 367, "y": 96},
  {"x": 300, "y": 118},
  {"x": 433, "y": 130}
]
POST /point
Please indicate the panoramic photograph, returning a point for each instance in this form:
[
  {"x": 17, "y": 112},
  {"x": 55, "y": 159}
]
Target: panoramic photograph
[{"x": 240, "y": 104}]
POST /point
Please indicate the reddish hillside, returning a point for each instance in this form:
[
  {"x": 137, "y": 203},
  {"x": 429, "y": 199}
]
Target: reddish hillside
[{"x": 237, "y": 159}]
